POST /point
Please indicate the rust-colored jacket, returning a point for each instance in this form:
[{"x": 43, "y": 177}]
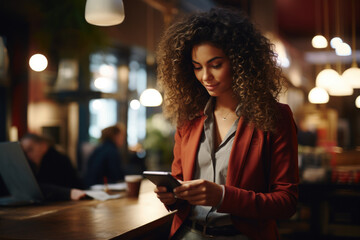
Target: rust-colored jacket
[{"x": 262, "y": 177}]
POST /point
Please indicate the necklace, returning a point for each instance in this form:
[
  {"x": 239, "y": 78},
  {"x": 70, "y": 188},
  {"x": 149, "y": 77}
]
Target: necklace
[{"x": 225, "y": 117}]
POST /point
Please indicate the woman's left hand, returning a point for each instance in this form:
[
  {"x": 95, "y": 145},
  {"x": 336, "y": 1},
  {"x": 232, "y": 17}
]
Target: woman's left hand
[{"x": 200, "y": 192}]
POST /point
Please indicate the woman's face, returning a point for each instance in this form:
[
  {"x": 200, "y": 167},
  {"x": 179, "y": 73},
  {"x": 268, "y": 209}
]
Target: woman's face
[{"x": 212, "y": 68}]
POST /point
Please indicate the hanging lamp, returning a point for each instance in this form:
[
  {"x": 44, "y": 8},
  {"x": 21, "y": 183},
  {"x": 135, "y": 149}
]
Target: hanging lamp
[
  {"x": 327, "y": 76},
  {"x": 339, "y": 87},
  {"x": 318, "y": 96},
  {"x": 318, "y": 41},
  {"x": 104, "y": 12},
  {"x": 151, "y": 98},
  {"x": 357, "y": 102},
  {"x": 352, "y": 75},
  {"x": 341, "y": 47}
]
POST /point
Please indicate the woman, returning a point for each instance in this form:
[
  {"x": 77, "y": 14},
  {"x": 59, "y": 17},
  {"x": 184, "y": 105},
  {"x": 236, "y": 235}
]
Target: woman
[
  {"x": 105, "y": 163},
  {"x": 235, "y": 146}
]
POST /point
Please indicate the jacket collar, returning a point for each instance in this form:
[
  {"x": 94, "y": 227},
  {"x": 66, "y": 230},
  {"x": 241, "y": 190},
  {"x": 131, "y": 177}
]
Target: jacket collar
[{"x": 241, "y": 145}]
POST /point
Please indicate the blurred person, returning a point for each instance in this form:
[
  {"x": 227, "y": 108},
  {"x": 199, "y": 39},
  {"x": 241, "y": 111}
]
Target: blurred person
[
  {"x": 53, "y": 170},
  {"x": 235, "y": 147},
  {"x": 105, "y": 162},
  {"x": 136, "y": 163}
]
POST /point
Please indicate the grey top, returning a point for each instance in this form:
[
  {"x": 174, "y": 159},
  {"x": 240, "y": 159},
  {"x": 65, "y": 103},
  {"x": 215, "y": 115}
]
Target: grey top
[{"x": 212, "y": 165}]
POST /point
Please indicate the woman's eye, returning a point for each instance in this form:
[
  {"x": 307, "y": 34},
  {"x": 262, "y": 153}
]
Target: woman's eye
[
  {"x": 217, "y": 66},
  {"x": 196, "y": 68}
]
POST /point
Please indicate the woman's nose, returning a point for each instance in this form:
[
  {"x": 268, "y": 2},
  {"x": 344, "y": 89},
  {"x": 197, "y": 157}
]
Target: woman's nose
[{"x": 206, "y": 74}]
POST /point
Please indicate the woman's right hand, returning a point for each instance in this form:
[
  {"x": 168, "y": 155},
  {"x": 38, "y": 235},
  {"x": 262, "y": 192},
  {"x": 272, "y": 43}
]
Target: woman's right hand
[{"x": 168, "y": 198}]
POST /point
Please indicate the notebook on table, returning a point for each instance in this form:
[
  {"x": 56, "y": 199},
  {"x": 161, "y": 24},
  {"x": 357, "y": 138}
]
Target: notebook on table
[{"x": 17, "y": 176}]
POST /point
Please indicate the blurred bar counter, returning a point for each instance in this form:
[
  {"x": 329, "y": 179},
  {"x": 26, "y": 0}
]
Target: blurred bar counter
[{"x": 125, "y": 218}]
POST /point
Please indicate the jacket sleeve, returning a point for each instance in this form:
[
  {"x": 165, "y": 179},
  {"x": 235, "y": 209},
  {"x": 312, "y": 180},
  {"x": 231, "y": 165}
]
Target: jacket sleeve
[
  {"x": 280, "y": 199},
  {"x": 176, "y": 168}
]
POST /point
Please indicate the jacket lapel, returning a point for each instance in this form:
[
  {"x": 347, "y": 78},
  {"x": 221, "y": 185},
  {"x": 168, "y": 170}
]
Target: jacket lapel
[
  {"x": 191, "y": 148},
  {"x": 239, "y": 151}
]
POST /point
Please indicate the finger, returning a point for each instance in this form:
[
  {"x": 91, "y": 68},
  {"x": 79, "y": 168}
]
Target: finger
[
  {"x": 191, "y": 190},
  {"x": 160, "y": 189},
  {"x": 186, "y": 185},
  {"x": 188, "y": 195},
  {"x": 165, "y": 196}
]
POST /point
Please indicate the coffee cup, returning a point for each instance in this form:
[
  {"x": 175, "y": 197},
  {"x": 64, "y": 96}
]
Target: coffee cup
[{"x": 133, "y": 185}]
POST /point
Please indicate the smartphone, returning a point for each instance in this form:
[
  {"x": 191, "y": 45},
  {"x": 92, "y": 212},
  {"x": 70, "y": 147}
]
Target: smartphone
[{"x": 160, "y": 178}]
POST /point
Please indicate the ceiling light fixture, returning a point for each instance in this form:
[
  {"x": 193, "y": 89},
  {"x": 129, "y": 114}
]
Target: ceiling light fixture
[
  {"x": 318, "y": 96},
  {"x": 335, "y": 41},
  {"x": 340, "y": 88},
  {"x": 352, "y": 75},
  {"x": 326, "y": 78},
  {"x": 38, "y": 62},
  {"x": 318, "y": 41},
  {"x": 104, "y": 12},
  {"x": 357, "y": 102},
  {"x": 343, "y": 49},
  {"x": 151, "y": 98}
]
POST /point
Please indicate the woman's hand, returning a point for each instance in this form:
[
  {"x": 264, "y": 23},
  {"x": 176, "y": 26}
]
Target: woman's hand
[
  {"x": 168, "y": 198},
  {"x": 200, "y": 192}
]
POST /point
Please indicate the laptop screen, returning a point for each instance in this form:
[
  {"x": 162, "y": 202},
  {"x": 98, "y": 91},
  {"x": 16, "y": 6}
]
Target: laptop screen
[{"x": 18, "y": 176}]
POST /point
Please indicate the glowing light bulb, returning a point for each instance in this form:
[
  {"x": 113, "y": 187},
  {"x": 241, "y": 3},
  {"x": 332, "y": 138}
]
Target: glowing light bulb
[
  {"x": 151, "y": 98},
  {"x": 135, "y": 104},
  {"x": 326, "y": 78},
  {"x": 38, "y": 62},
  {"x": 352, "y": 76},
  {"x": 335, "y": 41},
  {"x": 318, "y": 96},
  {"x": 343, "y": 49},
  {"x": 357, "y": 102},
  {"x": 319, "y": 41}
]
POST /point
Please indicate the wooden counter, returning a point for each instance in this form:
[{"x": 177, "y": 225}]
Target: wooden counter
[{"x": 124, "y": 218}]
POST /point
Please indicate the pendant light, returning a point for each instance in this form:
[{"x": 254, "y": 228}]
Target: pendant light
[
  {"x": 352, "y": 75},
  {"x": 151, "y": 98},
  {"x": 341, "y": 48},
  {"x": 339, "y": 87},
  {"x": 318, "y": 41},
  {"x": 318, "y": 96},
  {"x": 357, "y": 102},
  {"x": 38, "y": 62},
  {"x": 104, "y": 12},
  {"x": 327, "y": 76}
]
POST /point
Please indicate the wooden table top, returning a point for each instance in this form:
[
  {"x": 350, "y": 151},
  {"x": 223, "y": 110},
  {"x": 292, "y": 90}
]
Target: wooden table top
[{"x": 85, "y": 219}]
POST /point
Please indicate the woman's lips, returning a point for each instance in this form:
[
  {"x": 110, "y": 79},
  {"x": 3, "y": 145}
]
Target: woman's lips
[{"x": 211, "y": 87}]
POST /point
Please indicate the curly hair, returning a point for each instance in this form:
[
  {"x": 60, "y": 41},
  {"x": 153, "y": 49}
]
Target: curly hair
[{"x": 257, "y": 78}]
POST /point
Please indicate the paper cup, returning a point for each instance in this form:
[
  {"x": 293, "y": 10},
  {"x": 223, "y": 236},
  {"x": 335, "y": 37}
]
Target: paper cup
[{"x": 133, "y": 185}]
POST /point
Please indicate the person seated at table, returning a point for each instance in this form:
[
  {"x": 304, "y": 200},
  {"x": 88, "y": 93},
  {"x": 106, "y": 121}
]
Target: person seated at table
[
  {"x": 53, "y": 170},
  {"x": 105, "y": 162},
  {"x": 136, "y": 164}
]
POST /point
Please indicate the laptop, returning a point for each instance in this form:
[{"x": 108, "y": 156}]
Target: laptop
[{"x": 17, "y": 176}]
